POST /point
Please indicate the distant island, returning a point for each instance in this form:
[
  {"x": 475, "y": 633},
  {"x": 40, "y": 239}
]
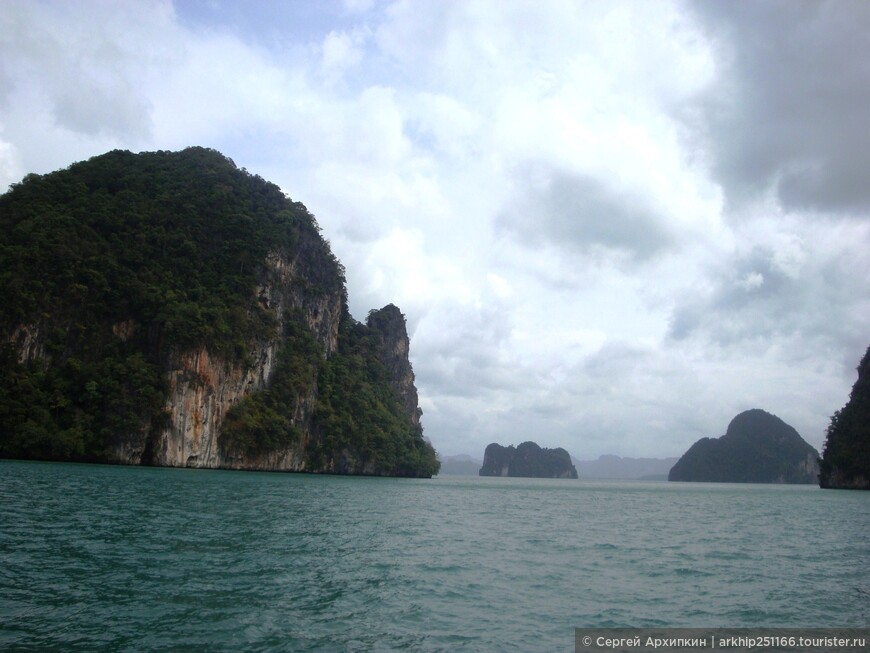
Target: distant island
[
  {"x": 171, "y": 309},
  {"x": 528, "y": 460},
  {"x": 606, "y": 466},
  {"x": 845, "y": 462},
  {"x": 757, "y": 448}
]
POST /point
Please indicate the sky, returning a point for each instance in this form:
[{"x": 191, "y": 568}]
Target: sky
[{"x": 611, "y": 225}]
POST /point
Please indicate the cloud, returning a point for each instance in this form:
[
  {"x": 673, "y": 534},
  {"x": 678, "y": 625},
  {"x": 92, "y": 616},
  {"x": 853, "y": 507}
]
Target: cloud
[
  {"x": 783, "y": 287},
  {"x": 611, "y": 225},
  {"x": 342, "y": 52},
  {"x": 787, "y": 110},
  {"x": 585, "y": 215},
  {"x": 82, "y": 70}
]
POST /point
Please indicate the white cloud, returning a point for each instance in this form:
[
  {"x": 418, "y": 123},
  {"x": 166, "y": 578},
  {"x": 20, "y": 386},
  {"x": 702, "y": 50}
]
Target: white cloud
[
  {"x": 341, "y": 52},
  {"x": 594, "y": 246}
]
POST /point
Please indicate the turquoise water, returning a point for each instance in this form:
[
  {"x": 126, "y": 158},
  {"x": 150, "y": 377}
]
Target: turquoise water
[{"x": 132, "y": 559}]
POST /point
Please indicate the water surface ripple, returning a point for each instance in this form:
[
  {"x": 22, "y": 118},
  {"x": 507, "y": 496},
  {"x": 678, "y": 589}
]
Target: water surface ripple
[{"x": 130, "y": 559}]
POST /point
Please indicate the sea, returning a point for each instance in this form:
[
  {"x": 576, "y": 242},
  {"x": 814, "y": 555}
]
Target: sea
[{"x": 110, "y": 558}]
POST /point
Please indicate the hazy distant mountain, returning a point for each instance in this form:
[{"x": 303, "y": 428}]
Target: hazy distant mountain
[
  {"x": 461, "y": 465},
  {"x": 757, "y": 448},
  {"x": 616, "y": 467}
]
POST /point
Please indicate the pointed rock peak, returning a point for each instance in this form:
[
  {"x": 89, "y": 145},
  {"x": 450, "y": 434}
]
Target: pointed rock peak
[{"x": 388, "y": 318}]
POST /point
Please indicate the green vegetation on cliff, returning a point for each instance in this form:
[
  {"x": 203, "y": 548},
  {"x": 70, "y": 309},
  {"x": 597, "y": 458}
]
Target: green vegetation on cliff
[
  {"x": 263, "y": 421},
  {"x": 167, "y": 242},
  {"x": 172, "y": 240},
  {"x": 757, "y": 448},
  {"x": 114, "y": 267},
  {"x": 528, "y": 460},
  {"x": 358, "y": 424},
  {"x": 845, "y": 460},
  {"x": 72, "y": 410},
  {"x": 359, "y": 417}
]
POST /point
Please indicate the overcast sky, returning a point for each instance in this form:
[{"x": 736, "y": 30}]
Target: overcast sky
[{"x": 612, "y": 226}]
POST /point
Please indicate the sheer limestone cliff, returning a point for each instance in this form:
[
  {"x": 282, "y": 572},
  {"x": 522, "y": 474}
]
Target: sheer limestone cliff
[
  {"x": 171, "y": 309},
  {"x": 389, "y": 323},
  {"x": 203, "y": 387}
]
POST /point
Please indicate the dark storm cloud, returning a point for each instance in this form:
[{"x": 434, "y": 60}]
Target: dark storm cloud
[
  {"x": 583, "y": 214},
  {"x": 789, "y": 108}
]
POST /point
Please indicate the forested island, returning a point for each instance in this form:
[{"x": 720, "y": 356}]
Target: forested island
[
  {"x": 169, "y": 308},
  {"x": 528, "y": 460},
  {"x": 845, "y": 462},
  {"x": 757, "y": 448}
]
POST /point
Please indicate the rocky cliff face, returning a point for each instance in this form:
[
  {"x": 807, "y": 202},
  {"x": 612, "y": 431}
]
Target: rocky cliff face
[
  {"x": 528, "y": 460},
  {"x": 94, "y": 370},
  {"x": 389, "y": 323},
  {"x": 845, "y": 461},
  {"x": 497, "y": 460},
  {"x": 204, "y": 386},
  {"x": 757, "y": 448}
]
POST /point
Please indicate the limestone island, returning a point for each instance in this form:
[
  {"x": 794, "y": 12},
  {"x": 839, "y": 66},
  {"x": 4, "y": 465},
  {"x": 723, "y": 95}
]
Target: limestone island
[
  {"x": 757, "y": 448},
  {"x": 845, "y": 460},
  {"x": 528, "y": 460},
  {"x": 171, "y": 309}
]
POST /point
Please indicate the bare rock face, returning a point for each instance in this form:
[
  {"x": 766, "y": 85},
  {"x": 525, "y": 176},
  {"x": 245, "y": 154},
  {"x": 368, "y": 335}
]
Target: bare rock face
[
  {"x": 528, "y": 460},
  {"x": 203, "y": 386}
]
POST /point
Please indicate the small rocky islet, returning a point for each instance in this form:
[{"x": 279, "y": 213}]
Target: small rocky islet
[{"x": 528, "y": 460}]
